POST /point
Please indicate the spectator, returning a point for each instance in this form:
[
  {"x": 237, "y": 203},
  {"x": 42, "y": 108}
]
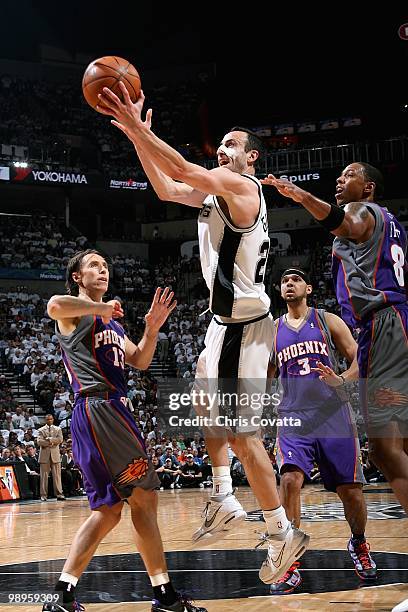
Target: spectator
[{"x": 49, "y": 440}]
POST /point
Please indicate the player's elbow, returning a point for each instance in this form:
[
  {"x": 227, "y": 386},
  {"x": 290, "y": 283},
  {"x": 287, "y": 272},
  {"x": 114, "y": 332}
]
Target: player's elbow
[
  {"x": 54, "y": 308},
  {"x": 180, "y": 173}
]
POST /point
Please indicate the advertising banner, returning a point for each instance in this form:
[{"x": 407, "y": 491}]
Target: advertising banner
[
  {"x": 8, "y": 484},
  {"x": 32, "y": 274}
]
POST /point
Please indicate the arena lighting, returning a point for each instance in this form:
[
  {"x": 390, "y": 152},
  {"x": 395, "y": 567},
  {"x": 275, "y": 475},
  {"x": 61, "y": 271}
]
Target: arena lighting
[{"x": 20, "y": 164}]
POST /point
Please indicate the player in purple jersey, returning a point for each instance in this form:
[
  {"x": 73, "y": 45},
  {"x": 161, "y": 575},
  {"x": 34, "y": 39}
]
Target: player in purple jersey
[
  {"x": 369, "y": 264},
  {"x": 306, "y": 342},
  {"x": 106, "y": 442}
]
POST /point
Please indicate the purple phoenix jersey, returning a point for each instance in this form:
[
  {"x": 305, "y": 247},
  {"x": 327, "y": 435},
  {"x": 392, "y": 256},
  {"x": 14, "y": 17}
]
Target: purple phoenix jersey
[
  {"x": 327, "y": 433},
  {"x": 297, "y": 351},
  {"x": 106, "y": 443},
  {"x": 370, "y": 275},
  {"x": 94, "y": 356}
]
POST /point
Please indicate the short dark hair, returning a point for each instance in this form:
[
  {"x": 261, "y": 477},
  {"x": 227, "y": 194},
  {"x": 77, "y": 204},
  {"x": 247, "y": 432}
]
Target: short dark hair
[
  {"x": 74, "y": 265},
  {"x": 374, "y": 175},
  {"x": 253, "y": 142}
]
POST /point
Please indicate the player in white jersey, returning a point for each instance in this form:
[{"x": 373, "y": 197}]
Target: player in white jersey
[{"x": 234, "y": 244}]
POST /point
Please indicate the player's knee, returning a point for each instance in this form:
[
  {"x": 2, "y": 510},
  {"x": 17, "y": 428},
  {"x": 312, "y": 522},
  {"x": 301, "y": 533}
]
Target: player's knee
[
  {"x": 245, "y": 447},
  {"x": 142, "y": 499},
  {"x": 292, "y": 481},
  {"x": 379, "y": 454},
  {"x": 110, "y": 513},
  {"x": 350, "y": 492}
]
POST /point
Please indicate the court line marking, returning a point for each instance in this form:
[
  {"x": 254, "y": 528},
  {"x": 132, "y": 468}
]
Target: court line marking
[{"x": 314, "y": 569}]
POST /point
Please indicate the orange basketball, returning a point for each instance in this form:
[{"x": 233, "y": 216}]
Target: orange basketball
[{"x": 109, "y": 71}]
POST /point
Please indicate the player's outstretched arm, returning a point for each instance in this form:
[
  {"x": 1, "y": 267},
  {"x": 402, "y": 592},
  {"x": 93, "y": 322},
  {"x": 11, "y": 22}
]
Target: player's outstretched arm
[
  {"x": 165, "y": 187},
  {"x": 140, "y": 356},
  {"x": 63, "y": 307},
  {"x": 219, "y": 181},
  {"x": 354, "y": 221}
]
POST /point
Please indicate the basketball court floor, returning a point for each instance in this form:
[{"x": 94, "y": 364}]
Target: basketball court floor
[{"x": 35, "y": 539}]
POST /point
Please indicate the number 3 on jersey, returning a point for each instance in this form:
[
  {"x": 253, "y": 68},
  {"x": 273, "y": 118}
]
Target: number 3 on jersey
[
  {"x": 305, "y": 366},
  {"x": 398, "y": 258},
  {"x": 261, "y": 263}
]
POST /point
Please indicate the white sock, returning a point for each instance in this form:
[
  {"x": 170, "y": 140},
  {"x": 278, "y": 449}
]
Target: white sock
[
  {"x": 276, "y": 520},
  {"x": 159, "y": 579},
  {"x": 222, "y": 482},
  {"x": 69, "y": 578}
]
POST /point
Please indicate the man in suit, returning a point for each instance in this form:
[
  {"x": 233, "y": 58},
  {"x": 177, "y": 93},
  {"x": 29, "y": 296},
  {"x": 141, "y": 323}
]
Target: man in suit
[
  {"x": 34, "y": 467},
  {"x": 49, "y": 439}
]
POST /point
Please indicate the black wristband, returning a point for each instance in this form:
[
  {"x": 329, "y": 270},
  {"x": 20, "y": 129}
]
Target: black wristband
[{"x": 334, "y": 219}]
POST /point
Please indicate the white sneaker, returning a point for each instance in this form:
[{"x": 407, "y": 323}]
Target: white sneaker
[
  {"x": 401, "y": 607},
  {"x": 219, "y": 518},
  {"x": 283, "y": 550}
]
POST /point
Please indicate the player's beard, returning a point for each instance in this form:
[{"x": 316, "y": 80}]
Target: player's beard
[{"x": 295, "y": 299}]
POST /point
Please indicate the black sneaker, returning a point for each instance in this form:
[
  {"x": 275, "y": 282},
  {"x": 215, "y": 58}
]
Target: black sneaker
[
  {"x": 364, "y": 564},
  {"x": 183, "y": 604},
  {"x": 289, "y": 581},
  {"x": 75, "y": 606}
]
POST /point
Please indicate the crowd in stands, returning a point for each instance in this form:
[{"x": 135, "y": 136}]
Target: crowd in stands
[
  {"x": 55, "y": 124},
  {"x": 36, "y": 241}
]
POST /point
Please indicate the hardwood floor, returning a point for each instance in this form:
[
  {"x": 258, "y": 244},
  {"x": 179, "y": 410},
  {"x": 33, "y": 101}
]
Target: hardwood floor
[{"x": 223, "y": 577}]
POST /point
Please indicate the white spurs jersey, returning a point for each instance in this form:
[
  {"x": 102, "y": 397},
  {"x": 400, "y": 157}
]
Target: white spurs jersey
[{"x": 233, "y": 260}]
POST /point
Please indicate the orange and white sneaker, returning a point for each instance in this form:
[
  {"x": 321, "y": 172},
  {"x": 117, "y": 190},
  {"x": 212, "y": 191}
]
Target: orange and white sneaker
[
  {"x": 289, "y": 581},
  {"x": 364, "y": 564}
]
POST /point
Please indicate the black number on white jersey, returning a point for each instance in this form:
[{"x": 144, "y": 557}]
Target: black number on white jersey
[{"x": 261, "y": 263}]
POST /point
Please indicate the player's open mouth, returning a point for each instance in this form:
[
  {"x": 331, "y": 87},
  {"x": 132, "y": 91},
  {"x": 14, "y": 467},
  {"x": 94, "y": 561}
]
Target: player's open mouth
[{"x": 339, "y": 190}]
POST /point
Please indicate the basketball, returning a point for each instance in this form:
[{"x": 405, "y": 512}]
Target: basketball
[{"x": 109, "y": 71}]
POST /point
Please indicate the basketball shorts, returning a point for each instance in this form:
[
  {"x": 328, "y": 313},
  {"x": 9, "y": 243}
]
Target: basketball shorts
[
  {"x": 232, "y": 374},
  {"x": 332, "y": 444},
  {"x": 109, "y": 449},
  {"x": 383, "y": 364}
]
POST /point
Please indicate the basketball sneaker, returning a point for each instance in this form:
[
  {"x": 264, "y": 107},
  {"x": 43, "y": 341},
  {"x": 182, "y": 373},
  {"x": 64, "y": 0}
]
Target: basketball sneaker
[
  {"x": 183, "y": 604},
  {"x": 283, "y": 550},
  {"x": 73, "y": 606},
  {"x": 219, "y": 518},
  {"x": 401, "y": 607},
  {"x": 364, "y": 564},
  {"x": 289, "y": 581}
]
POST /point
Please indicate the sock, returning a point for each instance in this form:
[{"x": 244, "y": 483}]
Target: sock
[
  {"x": 67, "y": 584},
  {"x": 164, "y": 591},
  {"x": 358, "y": 538},
  {"x": 222, "y": 482},
  {"x": 276, "y": 520}
]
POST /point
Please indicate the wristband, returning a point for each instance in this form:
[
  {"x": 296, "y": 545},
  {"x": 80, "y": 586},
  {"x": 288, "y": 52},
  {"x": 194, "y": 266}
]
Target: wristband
[{"x": 334, "y": 219}]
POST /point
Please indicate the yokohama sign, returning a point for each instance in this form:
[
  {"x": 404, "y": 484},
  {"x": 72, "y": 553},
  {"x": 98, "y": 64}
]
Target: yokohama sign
[
  {"x": 27, "y": 175},
  {"x": 59, "y": 177}
]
